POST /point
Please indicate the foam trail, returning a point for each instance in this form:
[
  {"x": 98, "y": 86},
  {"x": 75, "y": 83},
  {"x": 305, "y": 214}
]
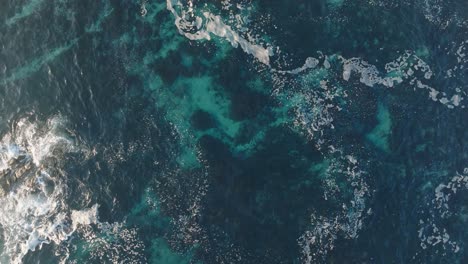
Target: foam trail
[
  {"x": 310, "y": 63},
  {"x": 402, "y": 69},
  {"x": 186, "y": 22}
]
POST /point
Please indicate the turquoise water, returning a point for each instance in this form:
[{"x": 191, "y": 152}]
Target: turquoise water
[{"x": 237, "y": 131}]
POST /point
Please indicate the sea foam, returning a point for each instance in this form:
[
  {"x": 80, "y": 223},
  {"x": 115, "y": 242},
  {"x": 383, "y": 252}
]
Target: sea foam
[
  {"x": 196, "y": 27},
  {"x": 33, "y": 188}
]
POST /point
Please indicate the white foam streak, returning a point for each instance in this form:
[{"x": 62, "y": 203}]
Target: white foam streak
[
  {"x": 187, "y": 21},
  {"x": 310, "y": 63},
  {"x": 216, "y": 26}
]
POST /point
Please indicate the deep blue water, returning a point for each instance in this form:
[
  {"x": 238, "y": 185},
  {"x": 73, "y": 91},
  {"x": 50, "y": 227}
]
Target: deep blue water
[{"x": 235, "y": 131}]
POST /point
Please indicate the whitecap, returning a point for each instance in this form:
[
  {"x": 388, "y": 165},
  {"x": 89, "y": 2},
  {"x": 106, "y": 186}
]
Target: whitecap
[{"x": 33, "y": 188}]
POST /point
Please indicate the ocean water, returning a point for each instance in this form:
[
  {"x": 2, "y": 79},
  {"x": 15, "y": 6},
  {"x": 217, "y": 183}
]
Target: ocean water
[{"x": 233, "y": 131}]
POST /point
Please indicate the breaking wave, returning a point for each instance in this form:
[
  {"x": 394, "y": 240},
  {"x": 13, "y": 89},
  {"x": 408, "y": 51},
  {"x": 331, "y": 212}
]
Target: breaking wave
[{"x": 33, "y": 187}]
